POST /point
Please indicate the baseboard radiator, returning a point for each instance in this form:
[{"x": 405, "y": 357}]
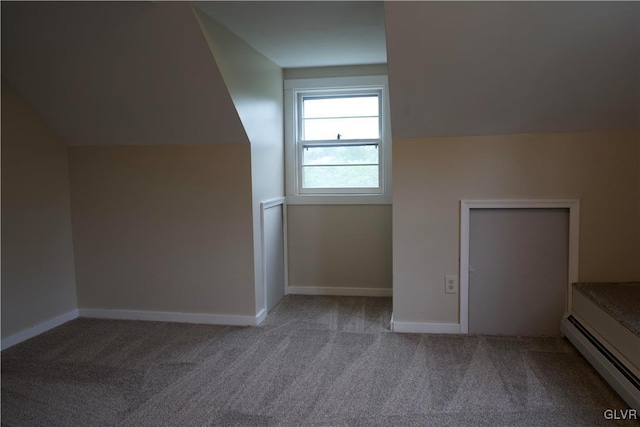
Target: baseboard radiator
[{"x": 614, "y": 371}]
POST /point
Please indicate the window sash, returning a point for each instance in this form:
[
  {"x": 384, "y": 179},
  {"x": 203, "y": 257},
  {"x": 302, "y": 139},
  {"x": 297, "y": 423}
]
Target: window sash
[
  {"x": 295, "y": 90},
  {"x": 334, "y": 94},
  {"x": 301, "y": 145},
  {"x": 304, "y": 145},
  {"x": 348, "y": 96},
  {"x": 340, "y": 142}
]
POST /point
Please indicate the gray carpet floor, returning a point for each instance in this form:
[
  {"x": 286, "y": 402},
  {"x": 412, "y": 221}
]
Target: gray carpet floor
[{"x": 314, "y": 361}]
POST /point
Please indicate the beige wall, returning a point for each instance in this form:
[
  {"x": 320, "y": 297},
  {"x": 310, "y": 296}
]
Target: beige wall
[
  {"x": 38, "y": 279},
  {"x": 431, "y": 176},
  {"x": 340, "y": 245},
  {"x": 163, "y": 228},
  {"x": 255, "y": 85}
]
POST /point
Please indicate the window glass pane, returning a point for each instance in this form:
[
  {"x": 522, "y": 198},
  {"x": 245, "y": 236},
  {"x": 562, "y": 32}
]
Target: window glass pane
[
  {"x": 356, "y": 176},
  {"x": 352, "y": 106},
  {"x": 345, "y": 155},
  {"x": 329, "y": 129}
]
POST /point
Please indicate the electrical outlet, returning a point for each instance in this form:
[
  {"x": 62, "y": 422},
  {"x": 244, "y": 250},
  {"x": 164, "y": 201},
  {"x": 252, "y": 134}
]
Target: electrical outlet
[{"x": 450, "y": 284}]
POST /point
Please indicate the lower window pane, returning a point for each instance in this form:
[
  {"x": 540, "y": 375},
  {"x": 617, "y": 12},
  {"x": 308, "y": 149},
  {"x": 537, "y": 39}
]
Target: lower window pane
[
  {"x": 341, "y": 155},
  {"x": 352, "y": 176}
]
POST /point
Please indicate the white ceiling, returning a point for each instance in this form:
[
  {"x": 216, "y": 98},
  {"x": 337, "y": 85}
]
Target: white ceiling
[{"x": 296, "y": 34}]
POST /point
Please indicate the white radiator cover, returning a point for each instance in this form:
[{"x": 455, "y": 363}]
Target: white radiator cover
[{"x": 623, "y": 381}]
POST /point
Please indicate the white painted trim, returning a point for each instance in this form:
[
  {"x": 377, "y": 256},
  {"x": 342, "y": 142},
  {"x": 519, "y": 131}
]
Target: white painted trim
[
  {"x": 272, "y": 202},
  {"x": 574, "y": 250},
  {"x": 352, "y": 292},
  {"x": 38, "y": 329},
  {"x": 162, "y": 316},
  {"x": 348, "y": 199},
  {"x": 292, "y": 152},
  {"x": 425, "y": 328},
  {"x": 465, "y": 207},
  {"x": 620, "y": 384},
  {"x": 290, "y": 159},
  {"x": 605, "y": 342},
  {"x": 268, "y": 204},
  {"x": 335, "y": 82},
  {"x": 261, "y": 316},
  {"x": 285, "y": 221},
  {"x": 263, "y": 260}
]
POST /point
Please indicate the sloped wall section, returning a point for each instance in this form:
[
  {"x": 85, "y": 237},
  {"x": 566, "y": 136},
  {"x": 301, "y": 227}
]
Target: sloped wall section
[
  {"x": 491, "y": 68},
  {"x": 255, "y": 85}
]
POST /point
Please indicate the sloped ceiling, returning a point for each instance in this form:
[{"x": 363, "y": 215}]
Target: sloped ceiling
[
  {"x": 142, "y": 73},
  {"x": 486, "y": 68},
  {"x": 306, "y": 33},
  {"x": 118, "y": 72}
]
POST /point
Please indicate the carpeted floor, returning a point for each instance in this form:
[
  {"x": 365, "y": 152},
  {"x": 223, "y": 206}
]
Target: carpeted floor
[{"x": 315, "y": 361}]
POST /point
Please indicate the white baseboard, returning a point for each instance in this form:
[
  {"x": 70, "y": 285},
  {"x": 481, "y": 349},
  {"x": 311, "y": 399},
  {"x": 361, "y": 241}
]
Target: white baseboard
[
  {"x": 261, "y": 316},
  {"x": 161, "y": 316},
  {"x": 351, "y": 292},
  {"x": 38, "y": 329},
  {"x": 425, "y": 328}
]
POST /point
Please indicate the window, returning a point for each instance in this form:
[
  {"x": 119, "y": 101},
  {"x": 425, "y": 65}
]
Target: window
[{"x": 337, "y": 141}]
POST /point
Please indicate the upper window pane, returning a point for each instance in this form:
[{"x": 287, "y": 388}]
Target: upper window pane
[
  {"x": 336, "y": 117},
  {"x": 340, "y": 106},
  {"x": 351, "y": 128}
]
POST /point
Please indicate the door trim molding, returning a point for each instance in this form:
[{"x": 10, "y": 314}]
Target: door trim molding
[{"x": 465, "y": 209}]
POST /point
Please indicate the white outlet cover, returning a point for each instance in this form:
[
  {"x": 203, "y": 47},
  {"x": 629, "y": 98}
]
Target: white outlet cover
[{"x": 451, "y": 284}]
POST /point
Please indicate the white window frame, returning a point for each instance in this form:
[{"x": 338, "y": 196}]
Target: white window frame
[{"x": 293, "y": 92}]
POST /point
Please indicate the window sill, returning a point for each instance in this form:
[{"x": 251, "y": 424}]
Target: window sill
[{"x": 348, "y": 199}]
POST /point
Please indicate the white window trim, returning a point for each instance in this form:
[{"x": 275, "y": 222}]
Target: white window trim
[{"x": 291, "y": 89}]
